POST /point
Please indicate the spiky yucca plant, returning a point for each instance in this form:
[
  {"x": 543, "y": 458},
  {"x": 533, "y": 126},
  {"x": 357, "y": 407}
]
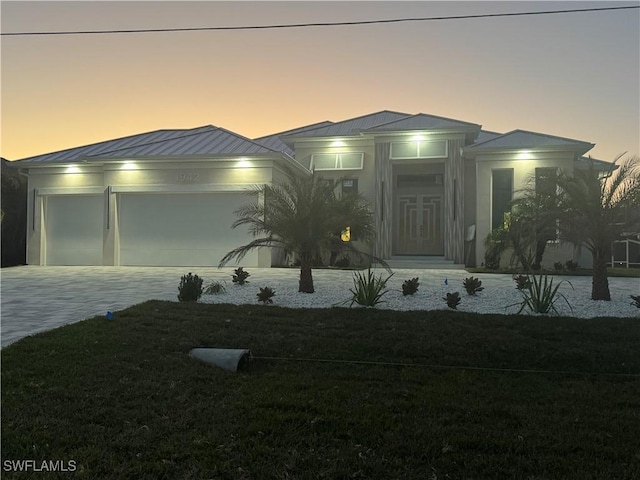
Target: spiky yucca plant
[{"x": 368, "y": 289}]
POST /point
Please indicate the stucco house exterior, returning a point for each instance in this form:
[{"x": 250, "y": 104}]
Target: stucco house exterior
[{"x": 437, "y": 187}]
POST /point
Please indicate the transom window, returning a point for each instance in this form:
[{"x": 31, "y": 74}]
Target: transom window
[
  {"x": 437, "y": 149},
  {"x": 337, "y": 161}
]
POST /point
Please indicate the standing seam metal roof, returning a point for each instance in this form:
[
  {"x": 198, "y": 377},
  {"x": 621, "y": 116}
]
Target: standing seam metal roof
[
  {"x": 206, "y": 140},
  {"x": 422, "y": 121},
  {"x": 354, "y": 125},
  {"x": 525, "y": 139},
  {"x": 273, "y": 141}
]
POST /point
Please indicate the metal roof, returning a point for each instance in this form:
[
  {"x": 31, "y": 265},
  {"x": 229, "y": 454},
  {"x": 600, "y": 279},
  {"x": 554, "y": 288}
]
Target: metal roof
[
  {"x": 486, "y": 135},
  {"x": 522, "y": 139},
  {"x": 206, "y": 140},
  {"x": 353, "y": 125},
  {"x": 422, "y": 121},
  {"x": 273, "y": 141},
  {"x": 585, "y": 162}
]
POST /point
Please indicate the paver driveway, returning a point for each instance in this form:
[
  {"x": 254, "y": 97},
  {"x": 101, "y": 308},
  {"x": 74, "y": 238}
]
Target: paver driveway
[{"x": 35, "y": 298}]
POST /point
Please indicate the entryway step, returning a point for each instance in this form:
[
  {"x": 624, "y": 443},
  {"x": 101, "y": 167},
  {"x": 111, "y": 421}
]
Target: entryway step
[{"x": 423, "y": 262}]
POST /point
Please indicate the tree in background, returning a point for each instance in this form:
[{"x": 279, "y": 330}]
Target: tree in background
[
  {"x": 303, "y": 216},
  {"x": 14, "y": 216}
]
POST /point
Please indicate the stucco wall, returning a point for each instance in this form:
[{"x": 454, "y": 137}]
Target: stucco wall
[
  {"x": 523, "y": 173},
  {"x": 178, "y": 176}
]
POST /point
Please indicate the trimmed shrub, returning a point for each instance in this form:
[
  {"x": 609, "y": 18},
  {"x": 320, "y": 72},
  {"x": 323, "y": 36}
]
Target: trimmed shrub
[
  {"x": 409, "y": 287},
  {"x": 265, "y": 295},
  {"x": 571, "y": 265},
  {"x": 215, "y": 288},
  {"x": 190, "y": 288},
  {"x": 240, "y": 276},
  {"x": 453, "y": 300},
  {"x": 343, "y": 262},
  {"x": 522, "y": 282},
  {"x": 472, "y": 285}
]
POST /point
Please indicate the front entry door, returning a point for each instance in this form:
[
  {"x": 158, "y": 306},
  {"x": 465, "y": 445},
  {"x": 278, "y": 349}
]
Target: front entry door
[{"x": 420, "y": 225}]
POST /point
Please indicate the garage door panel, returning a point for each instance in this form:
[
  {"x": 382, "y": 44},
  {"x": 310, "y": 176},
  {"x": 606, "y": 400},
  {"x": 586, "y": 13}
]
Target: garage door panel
[
  {"x": 74, "y": 233},
  {"x": 180, "y": 229}
]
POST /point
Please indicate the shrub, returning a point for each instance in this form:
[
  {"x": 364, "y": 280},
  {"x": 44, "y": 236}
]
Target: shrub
[
  {"x": 215, "y": 288},
  {"x": 491, "y": 260},
  {"x": 409, "y": 287},
  {"x": 636, "y": 300},
  {"x": 522, "y": 282},
  {"x": 541, "y": 295},
  {"x": 571, "y": 265},
  {"x": 240, "y": 276},
  {"x": 495, "y": 244},
  {"x": 343, "y": 262},
  {"x": 472, "y": 285},
  {"x": 265, "y": 295},
  {"x": 558, "y": 266},
  {"x": 453, "y": 300},
  {"x": 190, "y": 288},
  {"x": 368, "y": 289}
]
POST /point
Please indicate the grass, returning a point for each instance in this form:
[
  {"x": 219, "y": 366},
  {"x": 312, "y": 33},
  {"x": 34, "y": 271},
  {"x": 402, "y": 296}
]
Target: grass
[
  {"x": 124, "y": 400},
  {"x": 581, "y": 272}
]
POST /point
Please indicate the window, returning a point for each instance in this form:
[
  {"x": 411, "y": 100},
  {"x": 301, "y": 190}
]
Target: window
[
  {"x": 546, "y": 181},
  {"x": 418, "y": 180},
  {"x": 546, "y": 191},
  {"x": 349, "y": 185},
  {"x": 337, "y": 161},
  {"x": 501, "y": 196},
  {"x": 437, "y": 149}
]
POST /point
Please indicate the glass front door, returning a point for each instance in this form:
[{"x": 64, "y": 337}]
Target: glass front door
[{"x": 420, "y": 224}]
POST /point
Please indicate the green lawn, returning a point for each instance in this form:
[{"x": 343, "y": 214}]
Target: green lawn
[
  {"x": 581, "y": 272},
  {"x": 124, "y": 400}
]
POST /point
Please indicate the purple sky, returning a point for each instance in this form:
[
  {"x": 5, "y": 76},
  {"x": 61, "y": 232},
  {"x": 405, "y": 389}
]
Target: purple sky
[{"x": 571, "y": 75}]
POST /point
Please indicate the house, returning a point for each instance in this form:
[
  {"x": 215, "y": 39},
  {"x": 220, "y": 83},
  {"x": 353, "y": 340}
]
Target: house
[{"x": 437, "y": 187}]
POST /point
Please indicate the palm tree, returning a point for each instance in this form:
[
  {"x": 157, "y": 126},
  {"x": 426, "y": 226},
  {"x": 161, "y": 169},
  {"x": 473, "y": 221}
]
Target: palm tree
[
  {"x": 303, "y": 216},
  {"x": 530, "y": 225},
  {"x": 594, "y": 210}
]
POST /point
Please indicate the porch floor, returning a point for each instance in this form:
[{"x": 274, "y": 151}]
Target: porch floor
[{"x": 423, "y": 262}]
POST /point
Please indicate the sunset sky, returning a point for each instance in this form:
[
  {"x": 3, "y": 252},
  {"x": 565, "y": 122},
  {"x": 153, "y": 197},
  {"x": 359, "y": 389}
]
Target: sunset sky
[{"x": 571, "y": 75}]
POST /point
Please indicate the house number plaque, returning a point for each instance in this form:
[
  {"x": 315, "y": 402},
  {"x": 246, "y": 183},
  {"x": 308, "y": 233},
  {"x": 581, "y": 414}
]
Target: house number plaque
[{"x": 188, "y": 177}]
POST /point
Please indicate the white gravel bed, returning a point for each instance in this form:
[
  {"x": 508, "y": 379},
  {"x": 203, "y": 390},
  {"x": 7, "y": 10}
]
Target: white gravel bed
[{"x": 499, "y": 294}]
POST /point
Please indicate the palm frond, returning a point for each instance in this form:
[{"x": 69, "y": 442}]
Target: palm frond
[{"x": 240, "y": 252}]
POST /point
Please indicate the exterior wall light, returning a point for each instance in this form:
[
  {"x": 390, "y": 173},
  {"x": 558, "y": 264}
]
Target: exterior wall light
[
  {"x": 338, "y": 143},
  {"x": 129, "y": 166},
  {"x": 345, "y": 236},
  {"x": 72, "y": 169},
  {"x": 525, "y": 155}
]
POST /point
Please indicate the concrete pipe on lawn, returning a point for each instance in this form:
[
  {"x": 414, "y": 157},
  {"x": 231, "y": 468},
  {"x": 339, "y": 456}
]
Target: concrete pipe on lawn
[{"x": 231, "y": 359}]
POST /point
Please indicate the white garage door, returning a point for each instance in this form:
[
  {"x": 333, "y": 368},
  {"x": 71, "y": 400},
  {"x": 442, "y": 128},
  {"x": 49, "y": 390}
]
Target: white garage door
[
  {"x": 177, "y": 229},
  {"x": 74, "y": 229}
]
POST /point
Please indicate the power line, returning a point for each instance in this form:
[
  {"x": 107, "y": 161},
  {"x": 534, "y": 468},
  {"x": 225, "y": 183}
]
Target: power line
[
  {"x": 444, "y": 367},
  {"x": 322, "y": 24}
]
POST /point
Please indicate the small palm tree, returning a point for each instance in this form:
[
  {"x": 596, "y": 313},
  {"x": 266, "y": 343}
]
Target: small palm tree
[
  {"x": 594, "y": 210},
  {"x": 303, "y": 215},
  {"x": 531, "y": 227}
]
